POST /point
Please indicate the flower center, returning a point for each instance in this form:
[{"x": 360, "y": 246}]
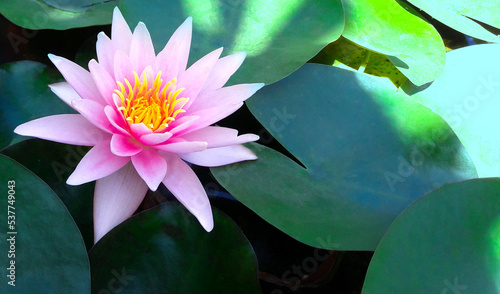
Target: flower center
[{"x": 154, "y": 106}]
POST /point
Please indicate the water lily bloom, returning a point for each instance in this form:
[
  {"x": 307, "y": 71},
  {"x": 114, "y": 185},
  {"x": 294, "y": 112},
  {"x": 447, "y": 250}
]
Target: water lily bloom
[{"x": 146, "y": 115}]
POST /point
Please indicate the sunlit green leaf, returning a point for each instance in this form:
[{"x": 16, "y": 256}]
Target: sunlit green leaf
[
  {"x": 391, "y": 28},
  {"x": 446, "y": 242},
  {"x": 368, "y": 151}
]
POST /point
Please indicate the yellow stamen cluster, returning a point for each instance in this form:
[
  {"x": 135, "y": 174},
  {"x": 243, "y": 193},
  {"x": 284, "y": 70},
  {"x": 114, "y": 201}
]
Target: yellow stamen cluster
[{"x": 156, "y": 106}]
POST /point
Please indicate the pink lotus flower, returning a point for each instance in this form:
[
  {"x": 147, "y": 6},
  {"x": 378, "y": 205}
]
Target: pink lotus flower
[{"x": 144, "y": 114}]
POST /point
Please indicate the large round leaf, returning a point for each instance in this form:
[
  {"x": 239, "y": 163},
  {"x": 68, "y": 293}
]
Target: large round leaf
[
  {"x": 165, "y": 250},
  {"x": 465, "y": 16},
  {"x": 24, "y": 95},
  {"x": 54, "y": 163},
  {"x": 413, "y": 45},
  {"x": 446, "y": 242},
  {"x": 40, "y": 242},
  {"x": 368, "y": 152},
  {"x": 278, "y": 36},
  {"x": 59, "y": 15},
  {"x": 467, "y": 96}
]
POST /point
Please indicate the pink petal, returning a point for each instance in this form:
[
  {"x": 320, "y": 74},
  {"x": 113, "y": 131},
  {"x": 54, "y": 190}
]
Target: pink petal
[
  {"x": 94, "y": 113},
  {"x": 77, "y": 77},
  {"x": 219, "y": 137},
  {"x": 148, "y": 73},
  {"x": 186, "y": 187},
  {"x": 220, "y": 156},
  {"x": 105, "y": 83},
  {"x": 106, "y": 50},
  {"x": 139, "y": 130},
  {"x": 63, "y": 128},
  {"x": 182, "y": 123},
  {"x": 172, "y": 60},
  {"x": 123, "y": 68},
  {"x": 155, "y": 138},
  {"x": 120, "y": 32},
  {"x": 98, "y": 163},
  {"x": 116, "y": 100},
  {"x": 223, "y": 70},
  {"x": 209, "y": 116},
  {"x": 116, "y": 198},
  {"x": 228, "y": 95},
  {"x": 183, "y": 147},
  {"x": 142, "y": 52},
  {"x": 64, "y": 91},
  {"x": 116, "y": 120},
  {"x": 124, "y": 146},
  {"x": 151, "y": 166},
  {"x": 195, "y": 76}
]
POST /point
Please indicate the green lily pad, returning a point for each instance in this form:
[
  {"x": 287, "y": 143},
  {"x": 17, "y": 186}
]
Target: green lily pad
[
  {"x": 40, "y": 242},
  {"x": 446, "y": 242},
  {"x": 368, "y": 153},
  {"x": 24, "y": 96},
  {"x": 54, "y": 163},
  {"x": 278, "y": 36},
  {"x": 394, "y": 29},
  {"x": 58, "y": 15},
  {"x": 165, "y": 250},
  {"x": 465, "y": 16},
  {"x": 467, "y": 96}
]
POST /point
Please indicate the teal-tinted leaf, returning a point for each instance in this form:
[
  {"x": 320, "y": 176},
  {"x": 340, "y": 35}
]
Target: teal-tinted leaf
[
  {"x": 165, "y": 250},
  {"x": 24, "y": 95},
  {"x": 53, "y": 163},
  {"x": 467, "y": 96},
  {"x": 368, "y": 152},
  {"x": 410, "y": 43},
  {"x": 278, "y": 36},
  {"x": 47, "y": 249},
  {"x": 463, "y": 15},
  {"x": 59, "y": 15},
  {"x": 446, "y": 242}
]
